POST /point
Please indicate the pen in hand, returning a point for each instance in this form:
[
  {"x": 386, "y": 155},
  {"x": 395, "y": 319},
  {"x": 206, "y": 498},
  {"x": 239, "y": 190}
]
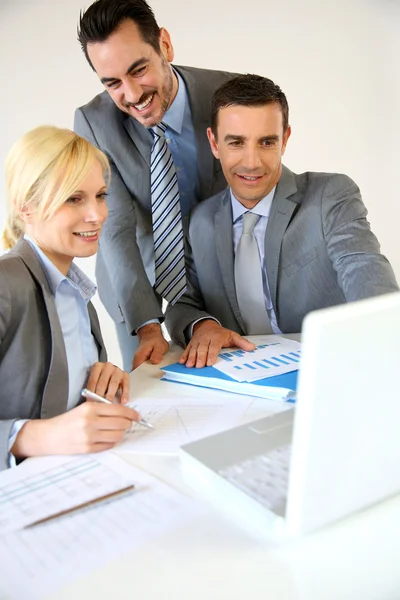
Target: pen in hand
[{"x": 92, "y": 396}]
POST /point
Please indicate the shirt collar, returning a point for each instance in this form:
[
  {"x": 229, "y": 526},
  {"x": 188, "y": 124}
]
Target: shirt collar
[
  {"x": 75, "y": 276},
  {"x": 173, "y": 118},
  {"x": 263, "y": 208}
]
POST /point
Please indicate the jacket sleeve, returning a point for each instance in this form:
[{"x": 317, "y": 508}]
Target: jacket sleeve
[
  {"x": 353, "y": 249},
  {"x": 190, "y": 307},
  {"x": 5, "y": 317},
  {"x": 119, "y": 248}
]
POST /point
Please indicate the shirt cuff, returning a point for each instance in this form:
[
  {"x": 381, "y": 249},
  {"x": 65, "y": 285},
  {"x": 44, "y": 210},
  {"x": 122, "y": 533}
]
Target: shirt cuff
[
  {"x": 189, "y": 329},
  {"x": 148, "y": 323},
  {"x": 15, "y": 429}
]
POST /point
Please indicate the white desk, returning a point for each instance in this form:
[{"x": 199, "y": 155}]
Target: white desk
[{"x": 215, "y": 558}]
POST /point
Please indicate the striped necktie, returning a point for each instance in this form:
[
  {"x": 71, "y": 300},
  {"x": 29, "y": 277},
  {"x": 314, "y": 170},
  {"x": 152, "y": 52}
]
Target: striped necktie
[{"x": 169, "y": 256}]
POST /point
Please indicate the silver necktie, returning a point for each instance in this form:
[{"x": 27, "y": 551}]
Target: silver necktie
[{"x": 248, "y": 280}]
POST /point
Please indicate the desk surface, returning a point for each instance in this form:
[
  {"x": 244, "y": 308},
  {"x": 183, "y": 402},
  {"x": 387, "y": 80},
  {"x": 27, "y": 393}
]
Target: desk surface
[{"x": 214, "y": 557}]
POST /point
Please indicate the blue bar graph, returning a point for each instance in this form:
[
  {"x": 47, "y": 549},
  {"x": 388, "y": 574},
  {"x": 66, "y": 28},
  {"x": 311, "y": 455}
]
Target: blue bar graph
[
  {"x": 269, "y": 362},
  {"x": 238, "y": 368},
  {"x": 290, "y": 358},
  {"x": 225, "y": 357},
  {"x": 250, "y": 366},
  {"x": 256, "y": 362}
]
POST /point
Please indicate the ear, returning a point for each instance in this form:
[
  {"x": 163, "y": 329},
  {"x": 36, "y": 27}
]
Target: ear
[
  {"x": 26, "y": 215},
  {"x": 166, "y": 46},
  {"x": 213, "y": 142},
  {"x": 285, "y": 139}
]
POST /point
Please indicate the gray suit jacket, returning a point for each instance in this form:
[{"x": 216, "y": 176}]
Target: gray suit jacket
[
  {"x": 125, "y": 260},
  {"x": 33, "y": 362},
  {"x": 319, "y": 251}
]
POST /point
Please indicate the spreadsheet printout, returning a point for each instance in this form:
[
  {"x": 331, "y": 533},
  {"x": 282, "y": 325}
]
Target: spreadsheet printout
[
  {"x": 45, "y": 486},
  {"x": 39, "y": 560}
]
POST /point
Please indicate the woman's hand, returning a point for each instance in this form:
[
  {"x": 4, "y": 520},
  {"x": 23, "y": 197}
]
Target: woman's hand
[
  {"x": 90, "y": 427},
  {"x": 106, "y": 380}
]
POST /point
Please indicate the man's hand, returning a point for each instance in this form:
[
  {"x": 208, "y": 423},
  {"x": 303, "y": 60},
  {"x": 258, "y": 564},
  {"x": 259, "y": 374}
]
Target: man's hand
[
  {"x": 152, "y": 345},
  {"x": 106, "y": 380},
  {"x": 207, "y": 340}
]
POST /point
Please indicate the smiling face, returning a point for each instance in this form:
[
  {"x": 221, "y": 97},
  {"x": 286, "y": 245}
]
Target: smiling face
[
  {"x": 250, "y": 143},
  {"x": 73, "y": 231},
  {"x": 139, "y": 80}
]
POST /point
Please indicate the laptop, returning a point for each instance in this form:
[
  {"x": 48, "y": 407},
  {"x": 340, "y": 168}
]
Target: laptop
[{"x": 337, "y": 451}]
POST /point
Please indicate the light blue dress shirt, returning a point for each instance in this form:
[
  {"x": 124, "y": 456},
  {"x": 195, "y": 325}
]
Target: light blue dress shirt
[
  {"x": 263, "y": 209},
  {"x": 72, "y": 293},
  {"x": 182, "y": 142}
]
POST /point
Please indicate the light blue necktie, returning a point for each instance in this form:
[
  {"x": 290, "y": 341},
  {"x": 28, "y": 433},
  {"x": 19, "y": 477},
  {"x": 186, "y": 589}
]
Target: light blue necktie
[{"x": 169, "y": 256}]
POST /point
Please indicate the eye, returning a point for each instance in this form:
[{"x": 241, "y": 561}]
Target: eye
[
  {"x": 102, "y": 196},
  {"x": 140, "y": 71},
  {"x": 73, "y": 200},
  {"x": 113, "y": 85},
  {"x": 235, "y": 143}
]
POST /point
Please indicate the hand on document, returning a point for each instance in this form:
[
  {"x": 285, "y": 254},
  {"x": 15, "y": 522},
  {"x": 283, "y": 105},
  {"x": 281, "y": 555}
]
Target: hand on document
[{"x": 207, "y": 340}]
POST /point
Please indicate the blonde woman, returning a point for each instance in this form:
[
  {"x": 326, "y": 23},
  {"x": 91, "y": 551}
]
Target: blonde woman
[{"x": 50, "y": 340}]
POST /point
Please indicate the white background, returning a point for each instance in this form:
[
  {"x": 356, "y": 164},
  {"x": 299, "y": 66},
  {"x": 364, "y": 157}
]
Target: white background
[{"x": 337, "y": 62}]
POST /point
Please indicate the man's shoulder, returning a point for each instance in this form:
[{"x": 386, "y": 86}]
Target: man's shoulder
[
  {"x": 101, "y": 107},
  {"x": 207, "y": 78},
  {"x": 206, "y": 209},
  {"x": 323, "y": 182}
]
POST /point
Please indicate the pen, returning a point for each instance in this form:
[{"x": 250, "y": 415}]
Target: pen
[{"x": 92, "y": 396}]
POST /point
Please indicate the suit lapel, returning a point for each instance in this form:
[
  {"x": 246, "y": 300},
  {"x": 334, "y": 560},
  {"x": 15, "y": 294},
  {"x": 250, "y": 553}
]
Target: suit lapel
[
  {"x": 223, "y": 228},
  {"x": 96, "y": 332},
  {"x": 283, "y": 206},
  {"x": 140, "y": 136},
  {"x": 55, "y": 395},
  {"x": 200, "y": 107}
]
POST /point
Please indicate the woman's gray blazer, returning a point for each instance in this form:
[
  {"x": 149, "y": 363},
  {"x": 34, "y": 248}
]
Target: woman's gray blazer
[{"x": 33, "y": 362}]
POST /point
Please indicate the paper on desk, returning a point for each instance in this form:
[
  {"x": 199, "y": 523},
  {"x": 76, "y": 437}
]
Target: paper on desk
[
  {"x": 177, "y": 422},
  {"x": 274, "y": 356},
  {"x": 37, "y": 561},
  {"x": 40, "y": 488}
]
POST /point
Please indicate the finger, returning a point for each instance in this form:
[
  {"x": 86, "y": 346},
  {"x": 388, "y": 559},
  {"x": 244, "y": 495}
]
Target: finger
[
  {"x": 241, "y": 342},
  {"x": 156, "y": 356},
  {"x": 184, "y": 355},
  {"x": 202, "y": 353},
  {"x": 213, "y": 351},
  {"x": 94, "y": 376},
  {"x": 113, "y": 424},
  {"x": 141, "y": 355},
  {"x": 114, "y": 383},
  {"x": 104, "y": 379},
  {"x": 192, "y": 356},
  {"x": 117, "y": 410},
  {"x": 124, "y": 387}
]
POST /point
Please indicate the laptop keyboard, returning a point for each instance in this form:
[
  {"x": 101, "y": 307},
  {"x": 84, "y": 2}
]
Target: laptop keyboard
[{"x": 263, "y": 477}]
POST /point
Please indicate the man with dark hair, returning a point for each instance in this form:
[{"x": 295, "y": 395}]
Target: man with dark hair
[
  {"x": 151, "y": 122},
  {"x": 274, "y": 245}
]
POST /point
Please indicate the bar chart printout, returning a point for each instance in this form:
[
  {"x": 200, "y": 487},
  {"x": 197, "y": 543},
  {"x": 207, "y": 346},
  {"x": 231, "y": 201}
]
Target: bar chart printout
[
  {"x": 48, "y": 486},
  {"x": 268, "y": 360}
]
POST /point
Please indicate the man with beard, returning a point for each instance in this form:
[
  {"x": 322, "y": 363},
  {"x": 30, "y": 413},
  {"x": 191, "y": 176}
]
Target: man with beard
[{"x": 151, "y": 121}]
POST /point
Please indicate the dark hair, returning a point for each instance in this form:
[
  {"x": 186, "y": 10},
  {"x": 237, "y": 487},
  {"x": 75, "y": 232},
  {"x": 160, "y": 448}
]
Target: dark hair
[
  {"x": 248, "y": 90},
  {"x": 103, "y": 17}
]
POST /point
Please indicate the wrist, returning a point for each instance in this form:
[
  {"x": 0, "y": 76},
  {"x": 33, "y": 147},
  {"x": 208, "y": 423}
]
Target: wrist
[
  {"x": 148, "y": 330},
  {"x": 206, "y": 324},
  {"x": 32, "y": 440}
]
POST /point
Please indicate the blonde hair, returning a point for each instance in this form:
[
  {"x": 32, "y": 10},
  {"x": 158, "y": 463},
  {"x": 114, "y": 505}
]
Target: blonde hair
[{"x": 44, "y": 167}]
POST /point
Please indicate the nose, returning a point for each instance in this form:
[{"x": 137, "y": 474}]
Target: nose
[
  {"x": 96, "y": 211},
  {"x": 251, "y": 158},
  {"x": 132, "y": 91}
]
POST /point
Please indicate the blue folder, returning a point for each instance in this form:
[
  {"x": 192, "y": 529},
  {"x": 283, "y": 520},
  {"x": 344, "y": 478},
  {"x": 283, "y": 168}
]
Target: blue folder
[{"x": 279, "y": 387}]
